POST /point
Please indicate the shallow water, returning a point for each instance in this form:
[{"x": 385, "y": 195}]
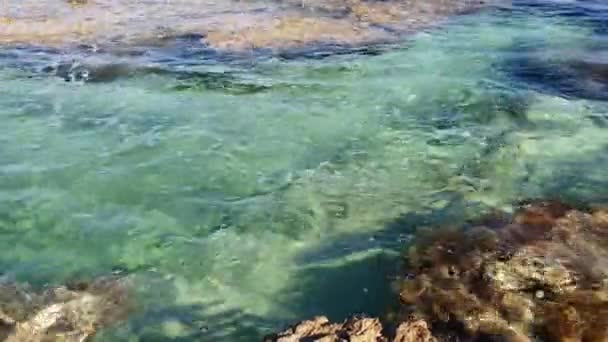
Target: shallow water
[{"x": 245, "y": 192}]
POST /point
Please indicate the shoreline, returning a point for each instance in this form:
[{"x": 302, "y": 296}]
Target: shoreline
[{"x": 226, "y": 26}]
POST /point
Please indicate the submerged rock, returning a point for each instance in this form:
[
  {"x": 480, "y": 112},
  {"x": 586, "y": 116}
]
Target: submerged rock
[
  {"x": 61, "y": 313},
  {"x": 569, "y": 78}
]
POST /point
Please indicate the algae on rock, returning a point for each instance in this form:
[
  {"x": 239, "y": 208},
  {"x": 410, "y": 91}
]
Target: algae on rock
[
  {"x": 64, "y": 313},
  {"x": 540, "y": 275}
]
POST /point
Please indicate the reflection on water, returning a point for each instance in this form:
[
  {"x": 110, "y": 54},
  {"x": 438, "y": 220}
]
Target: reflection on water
[{"x": 246, "y": 192}]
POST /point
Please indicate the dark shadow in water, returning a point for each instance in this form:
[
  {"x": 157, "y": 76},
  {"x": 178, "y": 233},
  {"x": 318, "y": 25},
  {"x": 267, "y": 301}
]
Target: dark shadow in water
[
  {"x": 331, "y": 281},
  {"x": 352, "y": 274},
  {"x": 580, "y": 72},
  {"x": 582, "y": 181},
  {"x": 197, "y": 323},
  {"x": 347, "y": 276},
  {"x": 227, "y": 82},
  {"x": 179, "y": 80},
  {"x": 326, "y": 50},
  {"x": 567, "y": 78},
  {"x": 192, "y": 49},
  {"x": 171, "y": 56},
  {"x": 393, "y": 235},
  {"x": 356, "y": 286}
]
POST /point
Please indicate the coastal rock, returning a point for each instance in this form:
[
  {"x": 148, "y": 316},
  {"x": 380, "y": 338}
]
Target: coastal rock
[
  {"x": 225, "y": 25},
  {"x": 321, "y": 330},
  {"x": 414, "y": 331},
  {"x": 61, "y": 313},
  {"x": 292, "y": 31},
  {"x": 353, "y": 330},
  {"x": 541, "y": 276}
]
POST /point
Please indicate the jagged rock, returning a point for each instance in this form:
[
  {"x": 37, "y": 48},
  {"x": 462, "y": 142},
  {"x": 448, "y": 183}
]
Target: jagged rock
[
  {"x": 320, "y": 329},
  {"x": 543, "y": 275},
  {"x": 414, "y": 331},
  {"x": 353, "y": 330},
  {"x": 61, "y": 313},
  {"x": 292, "y": 31}
]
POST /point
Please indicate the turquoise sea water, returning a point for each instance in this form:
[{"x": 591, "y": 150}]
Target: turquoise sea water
[{"x": 241, "y": 195}]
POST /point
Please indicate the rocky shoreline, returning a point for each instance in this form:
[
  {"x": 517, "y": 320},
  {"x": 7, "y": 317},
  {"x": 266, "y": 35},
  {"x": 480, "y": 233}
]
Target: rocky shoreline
[
  {"x": 539, "y": 274},
  {"x": 63, "y": 313},
  {"x": 231, "y": 26},
  {"x": 361, "y": 329}
]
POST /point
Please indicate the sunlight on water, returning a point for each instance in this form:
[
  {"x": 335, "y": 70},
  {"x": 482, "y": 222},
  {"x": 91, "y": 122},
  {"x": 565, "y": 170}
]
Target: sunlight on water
[{"x": 242, "y": 197}]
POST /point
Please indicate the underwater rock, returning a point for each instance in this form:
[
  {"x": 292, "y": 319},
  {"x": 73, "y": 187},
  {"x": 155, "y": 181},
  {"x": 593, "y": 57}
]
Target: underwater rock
[
  {"x": 354, "y": 330},
  {"x": 581, "y": 74},
  {"x": 73, "y": 313},
  {"x": 543, "y": 275}
]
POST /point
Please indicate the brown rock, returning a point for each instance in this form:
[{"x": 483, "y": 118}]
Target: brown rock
[
  {"x": 353, "y": 330},
  {"x": 292, "y": 31},
  {"x": 320, "y": 329},
  {"x": 227, "y": 25},
  {"x": 414, "y": 331},
  {"x": 62, "y": 314},
  {"x": 545, "y": 273}
]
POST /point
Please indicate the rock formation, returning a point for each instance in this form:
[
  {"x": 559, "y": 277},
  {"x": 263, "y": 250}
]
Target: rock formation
[
  {"x": 225, "y": 25},
  {"x": 62, "y": 313},
  {"x": 354, "y": 330},
  {"x": 543, "y": 275}
]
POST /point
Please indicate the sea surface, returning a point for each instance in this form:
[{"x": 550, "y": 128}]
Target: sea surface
[{"x": 245, "y": 187}]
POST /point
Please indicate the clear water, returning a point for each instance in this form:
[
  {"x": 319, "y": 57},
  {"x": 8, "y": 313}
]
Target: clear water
[{"x": 245, "y": 194}]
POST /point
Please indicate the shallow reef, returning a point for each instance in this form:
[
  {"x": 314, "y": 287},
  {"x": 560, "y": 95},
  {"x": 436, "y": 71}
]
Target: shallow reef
[
  {"x": 74, "y": 312},
  {"x": 539, "y": 274}
]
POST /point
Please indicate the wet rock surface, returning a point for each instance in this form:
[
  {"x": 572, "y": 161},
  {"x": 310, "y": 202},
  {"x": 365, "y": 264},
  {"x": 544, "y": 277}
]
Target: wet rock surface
[
  {"x": 540, "y": 274},
  {"x": 320, "y": 329},
  {"x": 224, "y": 25},
  {"x": 354, "y": 329},
  {"x": 65, "y": 313}
]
